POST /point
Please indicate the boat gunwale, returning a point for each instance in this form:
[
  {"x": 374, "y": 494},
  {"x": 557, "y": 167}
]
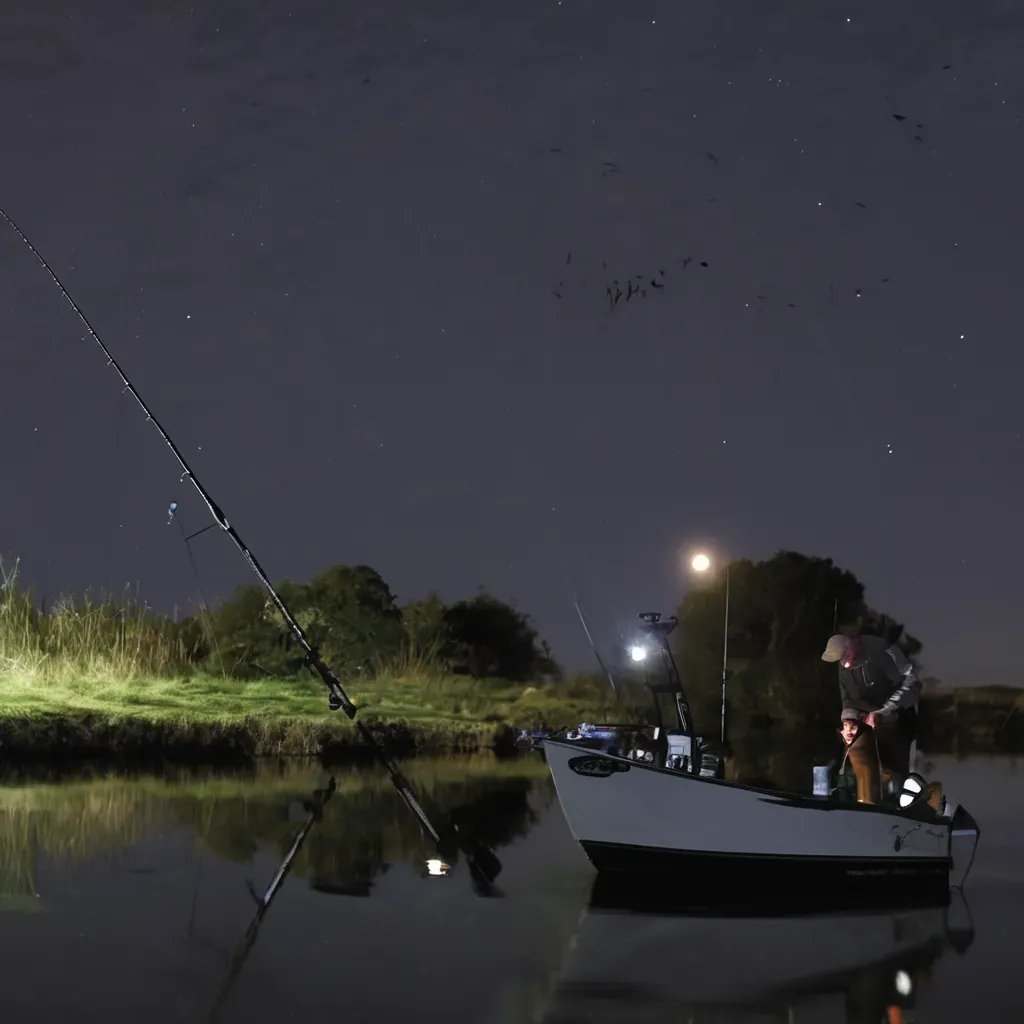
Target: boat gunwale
[{"x": 782, "y": 797}]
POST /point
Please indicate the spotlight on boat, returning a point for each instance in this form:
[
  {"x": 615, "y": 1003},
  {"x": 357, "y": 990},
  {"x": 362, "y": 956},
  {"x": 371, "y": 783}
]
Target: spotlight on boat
[
  {"x": 911, "y": 790},
  {"x": 700, "y": 562},
  {"x": 904, "y": 984},
  {"x": 638, "y": 653},
  {"x": 438, "y": 867}
]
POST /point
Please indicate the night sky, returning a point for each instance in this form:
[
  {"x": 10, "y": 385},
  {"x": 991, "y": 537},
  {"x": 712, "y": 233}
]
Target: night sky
[{"x": 325, "y": 242}]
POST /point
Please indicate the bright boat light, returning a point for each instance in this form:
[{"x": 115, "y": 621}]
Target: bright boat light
[{"x": 638, "y": 653}]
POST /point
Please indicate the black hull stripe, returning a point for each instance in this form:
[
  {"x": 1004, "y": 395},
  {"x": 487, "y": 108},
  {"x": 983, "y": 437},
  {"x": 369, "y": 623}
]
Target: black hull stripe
[
  {"x": 648, "y": 876},
  {"x": 755, "y": 869}
]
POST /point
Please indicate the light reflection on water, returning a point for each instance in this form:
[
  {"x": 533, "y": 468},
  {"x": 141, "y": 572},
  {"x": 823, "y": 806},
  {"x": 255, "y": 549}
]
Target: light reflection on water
[{"x": 122, "y": 898}]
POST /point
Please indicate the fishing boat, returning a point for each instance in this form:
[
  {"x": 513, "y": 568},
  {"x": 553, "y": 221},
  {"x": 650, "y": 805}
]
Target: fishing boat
[{"x": 653, "y": 804}]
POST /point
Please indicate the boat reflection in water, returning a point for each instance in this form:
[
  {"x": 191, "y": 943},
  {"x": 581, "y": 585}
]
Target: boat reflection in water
[{"x": 836, "y": 968}]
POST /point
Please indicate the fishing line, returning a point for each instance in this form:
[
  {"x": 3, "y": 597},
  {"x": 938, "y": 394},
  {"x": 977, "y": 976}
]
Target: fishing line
[{"x": 205, "y": 606}]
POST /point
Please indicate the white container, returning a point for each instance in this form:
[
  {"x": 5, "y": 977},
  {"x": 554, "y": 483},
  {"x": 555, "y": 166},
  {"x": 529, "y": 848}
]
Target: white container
[{"x": 822, "y": 780}]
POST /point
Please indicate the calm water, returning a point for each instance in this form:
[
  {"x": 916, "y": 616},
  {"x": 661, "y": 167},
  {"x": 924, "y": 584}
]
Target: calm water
[{"x": 125, "y": 899}]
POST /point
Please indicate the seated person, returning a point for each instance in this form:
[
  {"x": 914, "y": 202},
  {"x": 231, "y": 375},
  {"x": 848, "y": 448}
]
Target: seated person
[
  {"x": 861, "y": 776},
  {"x": 860, "y": 772}
]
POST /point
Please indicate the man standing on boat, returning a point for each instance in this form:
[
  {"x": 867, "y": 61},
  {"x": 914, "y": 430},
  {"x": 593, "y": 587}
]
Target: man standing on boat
[{"x": 877, "y": 679}]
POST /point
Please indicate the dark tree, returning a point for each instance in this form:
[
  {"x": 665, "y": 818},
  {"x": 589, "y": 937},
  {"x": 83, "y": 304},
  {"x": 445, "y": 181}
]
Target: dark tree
[
  {"x": 424, "y": 623},
  {"x": 488, "y": 638},
  {"x": 348, "y": 612},
  {"x": 782, "y": 612}
]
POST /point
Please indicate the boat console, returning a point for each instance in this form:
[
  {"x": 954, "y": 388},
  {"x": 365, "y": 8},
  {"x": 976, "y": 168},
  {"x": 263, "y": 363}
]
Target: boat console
[
  {"x": 672, "y": 749},
  {"x": 677, "y": 749}
]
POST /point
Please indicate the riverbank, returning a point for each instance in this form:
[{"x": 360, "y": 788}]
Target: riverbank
[
  {"x": 972, "y": 718},
  {"x": 215, "y": 718},
  {"x": 211, "y": 718}
]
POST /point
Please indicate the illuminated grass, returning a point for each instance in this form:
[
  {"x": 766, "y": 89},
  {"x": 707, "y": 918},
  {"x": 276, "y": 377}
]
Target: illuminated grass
[
  {"x": 102, "y": 676},
  {"x": 264, "y": 717}
]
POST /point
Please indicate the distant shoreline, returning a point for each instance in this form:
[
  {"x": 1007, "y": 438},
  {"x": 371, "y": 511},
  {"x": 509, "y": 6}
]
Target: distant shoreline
[
  {"x": 974, "y": 718},
  {"x": 234, "y": 722}
]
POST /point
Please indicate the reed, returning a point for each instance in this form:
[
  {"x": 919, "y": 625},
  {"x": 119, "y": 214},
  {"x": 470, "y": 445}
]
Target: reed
[
  {"x": 109, "y": 675},
  {"x": 85, "y": 638}
]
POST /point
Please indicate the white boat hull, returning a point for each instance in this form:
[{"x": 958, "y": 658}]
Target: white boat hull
[{"x": 636, "y": 818}]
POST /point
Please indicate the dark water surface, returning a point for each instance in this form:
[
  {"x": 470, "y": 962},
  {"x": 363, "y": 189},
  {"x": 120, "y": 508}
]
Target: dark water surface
[{"x": 125, "y": 898}]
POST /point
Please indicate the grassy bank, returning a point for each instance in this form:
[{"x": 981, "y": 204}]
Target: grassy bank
[
  {"x": 213, "y": 718},
  {"x": 218, "y": 717},
  {"x": 109, "y": 677}
]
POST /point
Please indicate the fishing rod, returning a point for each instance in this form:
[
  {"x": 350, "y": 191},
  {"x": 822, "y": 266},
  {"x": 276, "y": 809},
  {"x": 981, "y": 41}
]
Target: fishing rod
[
  {"x": 315, "y": 807},
  {"x": 479, "y": 856},
  {"x": 593, "y": 646}
]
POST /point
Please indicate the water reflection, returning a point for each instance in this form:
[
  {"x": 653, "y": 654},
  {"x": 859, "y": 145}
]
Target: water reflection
[
  {"x": 364, "y": 829},
  {"x": 144, "y": 884},
  {"x": 494, "y": 816},
  {"x": 826, "y": 969},
  {"x": 314, "y": 807}
]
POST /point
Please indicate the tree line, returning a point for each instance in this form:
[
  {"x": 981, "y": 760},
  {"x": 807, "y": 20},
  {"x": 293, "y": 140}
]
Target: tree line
[
  {"x": 781, "y": 612},
  {"x": 353, "y": 617}
]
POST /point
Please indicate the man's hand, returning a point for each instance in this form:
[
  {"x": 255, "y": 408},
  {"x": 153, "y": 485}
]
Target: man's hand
[{"x": 870, "y": 719}]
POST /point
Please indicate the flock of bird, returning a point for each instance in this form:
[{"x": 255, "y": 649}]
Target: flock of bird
[
  {"x": 627, "y": 288},
  {"x": 640, "y": 286}
]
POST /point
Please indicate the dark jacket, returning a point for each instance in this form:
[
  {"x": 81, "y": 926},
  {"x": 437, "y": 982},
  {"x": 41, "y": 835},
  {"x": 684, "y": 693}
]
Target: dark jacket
[{"x": 883, "y": 681}]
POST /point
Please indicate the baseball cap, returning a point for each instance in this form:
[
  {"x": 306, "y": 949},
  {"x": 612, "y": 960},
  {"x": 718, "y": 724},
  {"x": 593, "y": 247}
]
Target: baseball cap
[{"x": 835, "y": 648}]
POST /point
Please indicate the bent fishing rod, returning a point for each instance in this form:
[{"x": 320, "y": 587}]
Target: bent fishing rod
[{"x": 479, "y": 856}]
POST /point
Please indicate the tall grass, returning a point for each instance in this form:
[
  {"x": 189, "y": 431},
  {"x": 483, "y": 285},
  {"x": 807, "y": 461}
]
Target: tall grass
[
  {"x": 99, "y": 673},
  {"x": 85, "y": 638}
]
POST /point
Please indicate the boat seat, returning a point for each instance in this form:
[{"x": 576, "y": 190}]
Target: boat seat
[{"x": 890, "y": 791}]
